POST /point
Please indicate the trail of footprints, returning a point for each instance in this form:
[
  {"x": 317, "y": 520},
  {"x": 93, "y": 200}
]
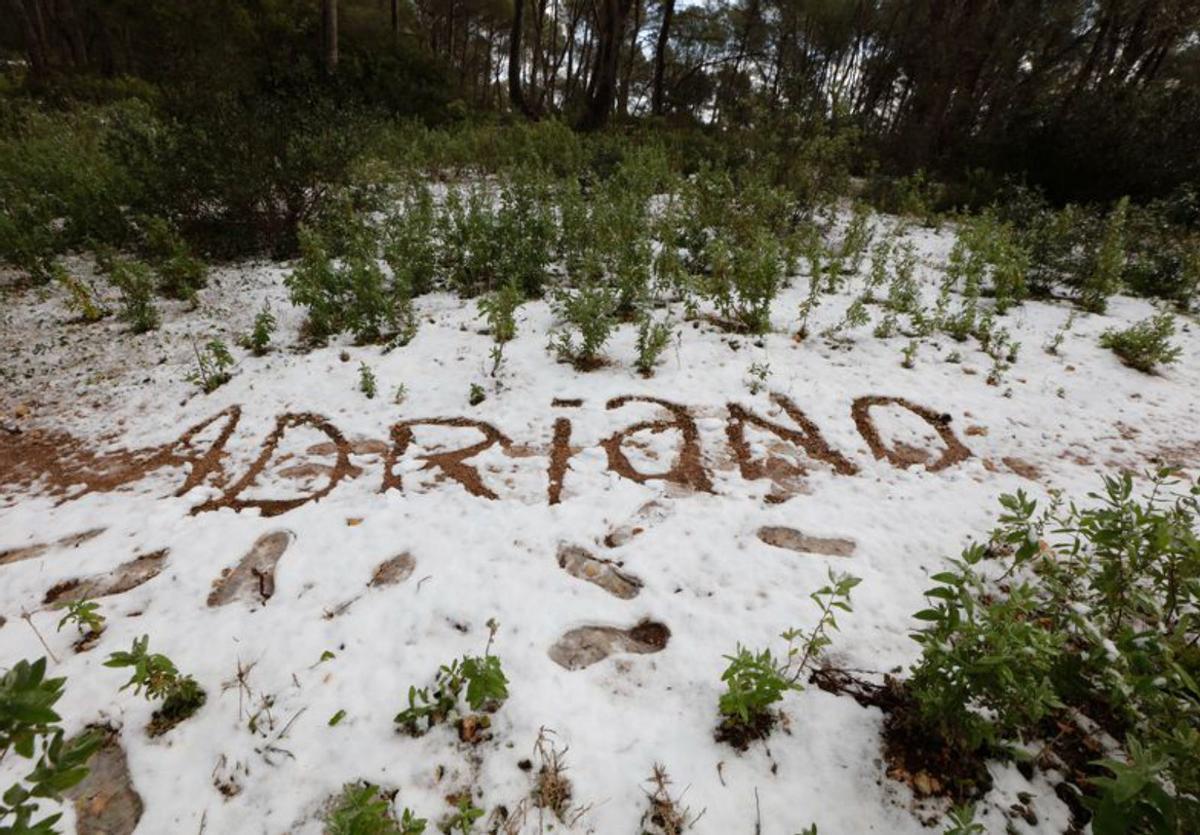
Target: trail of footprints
[{"x": 106, "y": 803}]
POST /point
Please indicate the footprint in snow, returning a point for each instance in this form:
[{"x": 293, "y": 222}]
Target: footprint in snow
[
  {"x": 606, "y": 574},
  {"x": 126, "y": 576},
  {"x": 587, "y": 645},
  {"x": 794, "y": 540},
  {"x": 253, "y": 578},
  {"x": 106, "y": 802}
]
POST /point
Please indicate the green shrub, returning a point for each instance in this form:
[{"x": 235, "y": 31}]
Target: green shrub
[
  {"x": 591, "y": 311},
  {"x": 410, "y": 248},
  {"x": 180, "y": 273},
  {"x": 745, "y": 278},
  {"x": 157, "y": 675},
  {"x": 1145, "y": 345},
  {"x": 755, "y": 682},
  {"x": 264, "y": 327},
  {"x": 83, "y": 298},
  {"x": 136, "y": 282},
  {"x": 30, "y": 729},
  {"x": 1091, "y": 608},
  {"x": 652, "y": 339},
  {"x": 213, "y": 362},
  {"x": 352, "y": 294},
  {"x": 985, "y": 668},
  {"x": 1107, "y": 263},
  {"x": 363, "y": 809},
  {"x": 481, "y": 677}
]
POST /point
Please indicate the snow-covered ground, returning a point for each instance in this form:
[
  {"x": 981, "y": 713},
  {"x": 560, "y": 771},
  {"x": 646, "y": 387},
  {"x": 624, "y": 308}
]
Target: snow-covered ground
[{"x": 1055, "y": 422}]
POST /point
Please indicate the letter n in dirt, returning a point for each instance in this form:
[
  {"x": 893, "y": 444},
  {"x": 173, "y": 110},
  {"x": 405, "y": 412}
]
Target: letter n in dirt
[{"x": 450, "y": 463}]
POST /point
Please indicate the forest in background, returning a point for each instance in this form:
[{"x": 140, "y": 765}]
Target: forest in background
[{"x": 1089, "y": 99}]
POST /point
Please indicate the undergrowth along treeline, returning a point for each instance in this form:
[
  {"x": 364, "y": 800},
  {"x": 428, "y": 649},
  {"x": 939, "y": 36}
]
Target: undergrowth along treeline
[{"x": 606, "y": 225}]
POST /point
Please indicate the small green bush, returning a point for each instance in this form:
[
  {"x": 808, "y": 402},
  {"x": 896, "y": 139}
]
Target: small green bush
[
  {"x": 1145, "y": 345},
  {"x": 157, "y": 675},
  {"x": 363, "y": 809},
  {"x": 180, "y": 273},
  {"x": 213, "y": 362},
  {"x": 591, "y": 311},
  {"x": 136, "y": 282},
  {"x": 352, "y": 294},
  {"x": 481, "y": 677}
]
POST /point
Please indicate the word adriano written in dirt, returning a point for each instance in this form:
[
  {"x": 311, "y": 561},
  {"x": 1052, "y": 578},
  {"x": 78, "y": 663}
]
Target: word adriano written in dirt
[{"x": 63, "y": 464}]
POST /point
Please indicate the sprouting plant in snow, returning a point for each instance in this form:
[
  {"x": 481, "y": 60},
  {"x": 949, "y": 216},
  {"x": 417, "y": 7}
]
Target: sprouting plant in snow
[
  {"x": 1054, "y": 344},
  {"x": 756, "y": 376},
  {"x": 887, "y": 326},
  {"x": 756, "y": 681},
  {"x": 856, "y": 239},
  {"x": 476, "y": 394},
  {"x": 652, "y": 339},
  {"x": 136, "y": 283},
  {"x": 30, "y": 729},
  {"x": 464, "y": 817},
  {"x": 811, "y": 302},
  {"x": 591, "y": 312},
  {"x": 399, "y": 394},
  {"x": 962, "y": 821},
  {"x": 366, "y": 381},
  {"x": 903, "y": 293},
  {"x": 264, "y": 327},
  {"x": 213, "y": 362},
  {"x": 158, "y": 677},
  {"x": 909, "y": 354},
  {"x": 1145, "y": 345},
  {"x": 364, "y": 809},
  {"x": 499, "y": 307},
  {"x": 82, "y": 296},
  {"x": 85, "y": 614},
  {"x": 479, "y": 679},
  {"x": 856, "y": 316}
]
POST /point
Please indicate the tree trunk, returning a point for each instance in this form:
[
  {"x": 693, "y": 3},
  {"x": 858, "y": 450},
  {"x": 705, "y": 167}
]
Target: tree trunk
[
  {"x": 610, "y": 30},
  {"x": 329, "y": 34},
  {"x": 660, "y": 57},
  {"x": 515, "y": 94},
  {"x": 396, "y": 20}
]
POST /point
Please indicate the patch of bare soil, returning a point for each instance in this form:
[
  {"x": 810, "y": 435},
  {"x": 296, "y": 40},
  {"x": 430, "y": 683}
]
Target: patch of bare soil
[
  {"x": 915, "y": 755},
  {"x": 253, "y": 578},
  {"x": 1022, "y": 468},
  {"x": 587, "y": 645},
  {"x": 63, "y": 464},
  {"x": 106, "y": 802},
  {"x": 29, "y": 552},
  {"x": 903, "y": 455},
  {"x": 741, "y": 735},
  {"x": 449, "y": 463},
  {"x": 121, "y": 579},
  {"x": 688, "y": 467},
  {"x": 606, "y": 574},
  {"x": 794, "y": 540}
]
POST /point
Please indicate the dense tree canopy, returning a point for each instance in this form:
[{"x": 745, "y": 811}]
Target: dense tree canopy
[{"x": 1091, "y": 98}]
